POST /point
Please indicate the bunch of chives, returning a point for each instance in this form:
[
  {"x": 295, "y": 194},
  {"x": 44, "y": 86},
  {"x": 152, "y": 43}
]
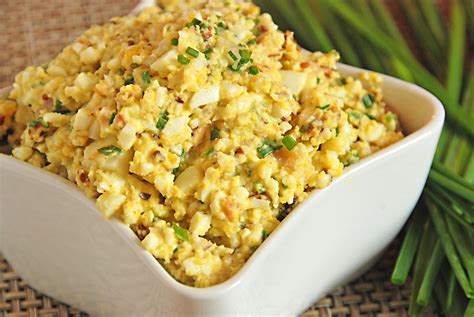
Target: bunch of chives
[{"x": 438, "y": 246}]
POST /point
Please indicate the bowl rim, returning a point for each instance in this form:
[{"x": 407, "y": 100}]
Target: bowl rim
[{"x": 432, "y": 126}]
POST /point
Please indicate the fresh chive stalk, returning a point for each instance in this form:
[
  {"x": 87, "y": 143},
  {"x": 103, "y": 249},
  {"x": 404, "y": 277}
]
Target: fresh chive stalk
[{"x": 365, "y": 34}]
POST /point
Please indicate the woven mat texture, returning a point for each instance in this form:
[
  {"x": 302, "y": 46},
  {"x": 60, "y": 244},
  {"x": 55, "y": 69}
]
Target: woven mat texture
[{"x": 32, "y": 32}]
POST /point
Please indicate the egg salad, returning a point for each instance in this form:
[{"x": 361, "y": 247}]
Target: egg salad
[{"x": 200, "y": 128}]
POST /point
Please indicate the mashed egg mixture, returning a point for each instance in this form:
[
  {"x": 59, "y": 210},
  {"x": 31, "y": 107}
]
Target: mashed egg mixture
[{"x": 200, "y": 128}]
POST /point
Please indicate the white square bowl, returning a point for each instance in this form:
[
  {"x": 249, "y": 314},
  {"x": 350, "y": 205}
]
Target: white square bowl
[{"x": 55, "y": 238}]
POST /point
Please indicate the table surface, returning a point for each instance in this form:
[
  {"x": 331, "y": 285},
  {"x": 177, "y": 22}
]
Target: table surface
[{"x": 34, "y": 31}]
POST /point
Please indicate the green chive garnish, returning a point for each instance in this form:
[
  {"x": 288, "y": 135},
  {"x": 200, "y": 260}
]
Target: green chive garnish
[
  {"x": 174, "y": 41},
  {"x": 146, "y": 77},
  {"x": 370, "y": 116},
  {"x": 252, "y": 42},
  {"x": 266, "y": 149},
  {"x": 129, "y": 81},
  {"x": 59, "y": 107},
  {"x": 111, "y": 149},
  {"x": 112, "y": 117},
  {"x": 183, "y": 59},
  {"x": 389, "y": 117},
  {"x": 324, "y": 107},
  {"x": 244, "y": 56},
  {"x": 341, "y": 81},
  {"x": 37, "y": 122},
  {"x": 368, "y": 100},
  {"x": 180, "y": 232},
  {"x": 253, "y": 70},
  {"x": 160, "y": 124},
  {"x": 215, "y": 133},
  {"x": 191, "y": 51},
  {"x": 194, "y": 22},
  {"x": 259, "y": 188},
  {"x": 264, "y": 235},
  {"x": 355, "y": 115},
  {"x": 232, "y": 55},
  {"x": 289, "y": 142},
  {"x": 207, "y": 51},
  {"x": 208, "y": 152}
]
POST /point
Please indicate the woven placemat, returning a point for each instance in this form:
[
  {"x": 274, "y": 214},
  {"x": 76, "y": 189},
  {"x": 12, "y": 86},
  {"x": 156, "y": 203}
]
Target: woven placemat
[{"x": 32, "y": 32}]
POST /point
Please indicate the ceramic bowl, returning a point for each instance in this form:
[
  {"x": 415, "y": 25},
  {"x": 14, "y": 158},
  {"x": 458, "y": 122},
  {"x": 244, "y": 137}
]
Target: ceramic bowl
[{"x": 55, "y": 238}]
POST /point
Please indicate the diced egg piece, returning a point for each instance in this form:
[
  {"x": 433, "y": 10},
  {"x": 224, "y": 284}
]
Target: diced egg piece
[
  {"x": 162, "y": 64},
  {"x": 109, "y": 203},
  {"x": 127, "y": 136},
  {"x": 200, "y": 223},
  {"x": 294, "y": 81},
  {"x": 189, "y": 179},
  {"x": 174, "y": 126},
  {"x": 205, "y": 96}
]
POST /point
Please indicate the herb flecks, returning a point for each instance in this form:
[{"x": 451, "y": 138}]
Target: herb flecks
[
  {"x": 180, "y": 232},
  {"x": 162, "y": 120},
  {"x": 110, "y": 150},
  {"x": 59, "y": 107}
]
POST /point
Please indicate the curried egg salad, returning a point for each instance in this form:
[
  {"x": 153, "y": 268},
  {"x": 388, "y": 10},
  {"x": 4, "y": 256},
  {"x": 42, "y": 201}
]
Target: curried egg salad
[{"x": 199, "y": 127}]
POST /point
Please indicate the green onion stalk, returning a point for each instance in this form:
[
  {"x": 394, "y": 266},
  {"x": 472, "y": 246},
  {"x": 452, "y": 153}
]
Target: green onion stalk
[{"x": 434, "y": 50}]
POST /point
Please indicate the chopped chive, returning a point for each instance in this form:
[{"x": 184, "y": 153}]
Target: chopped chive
[
  {"x": 160, "y": 124},
  {"x": 194, "y": 22},
  {"x": 235, "y": 69},
  {"x": 146, "y": 77},
  {"x": 370, "y": 116},
  {"x": 253, "y": 70},
  {"x": 341, "y": 81},
  {"x": 112, "y": 117},
  {"x": 259, "y": 188},
  {"x": 111, "y": 149},
  {"x": 176, "y": 171},
  {"x": 33, "y": 123},
  {"x": 183, "y": 59},
  {"x": 215, "y": 133},
  {"x": 37, "y": 122},
  {"x": 266, "y": 149},
  {"x": 289, "y": 142},
  {"x": 129, "y": 81},
  {"x": 191, "y": 51},
  {"x": 221, "y": 25},
  {"x": 389, "y": 117},
  {"x": 318, "y": 80},
  {"x": 264, "y": 235},
  {"x": 324, "y": 107},
  {"x": 207, "y": 51},
  {"x": 351, "y": 157},
  {"x": 232, "y": 55},
  {"x": 59, "y": 107},
  {"x": 174, "y": 41},
  {"x": 252, "y": 42},
  {"x": 208, "y": 152},
  {"x": 305, "y": 128},
  {"x": 245, "y": 56},
  {"x": 355, "y": 115},
  {"x": 180, "y": 232},
  {"x": 368, "y": 100}
]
